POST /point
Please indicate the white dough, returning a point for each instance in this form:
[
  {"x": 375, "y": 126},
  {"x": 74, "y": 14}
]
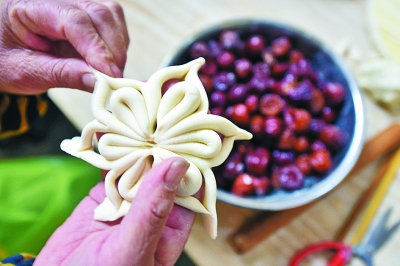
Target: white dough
[{"x": 142, "y": 129}]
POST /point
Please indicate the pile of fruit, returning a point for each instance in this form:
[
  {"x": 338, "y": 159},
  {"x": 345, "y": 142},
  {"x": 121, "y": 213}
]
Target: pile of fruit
[{"x": 269, "y": 88}]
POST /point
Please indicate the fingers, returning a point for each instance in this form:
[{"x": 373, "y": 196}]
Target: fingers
[
  {"x": 104, "y": 24},
  {"x": 152, "y": 205},
  {"x": 97, "y": 193},
  {"x": 35, "y": 72},
  {"x": 106, "y": 20},
  {"x": 96, "y": 30},
  {"x": 175, "y": 235}
]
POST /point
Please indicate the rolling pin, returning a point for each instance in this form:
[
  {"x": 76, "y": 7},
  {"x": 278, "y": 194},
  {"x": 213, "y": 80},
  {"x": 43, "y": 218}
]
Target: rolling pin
[{"x": 257, "y": 228}]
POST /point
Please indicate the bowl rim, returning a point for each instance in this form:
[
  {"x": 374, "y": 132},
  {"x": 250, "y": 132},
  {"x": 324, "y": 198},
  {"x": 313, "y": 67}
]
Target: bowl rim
[{"x": 337, "y": 175}]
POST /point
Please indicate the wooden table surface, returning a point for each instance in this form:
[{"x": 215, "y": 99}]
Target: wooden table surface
[{"x": 157, "y": 27}]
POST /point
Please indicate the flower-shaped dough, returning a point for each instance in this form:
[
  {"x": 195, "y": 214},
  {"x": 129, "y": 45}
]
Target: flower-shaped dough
[{"x": 142, "y": 128}]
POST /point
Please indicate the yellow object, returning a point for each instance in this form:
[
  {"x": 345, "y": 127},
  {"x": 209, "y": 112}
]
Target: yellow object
[
  {"x": 385, "y": 26},
  {"x": 3, "y": 253},
  {"x": 22, "y": 113},
  {"x": 376, "y": 199}
]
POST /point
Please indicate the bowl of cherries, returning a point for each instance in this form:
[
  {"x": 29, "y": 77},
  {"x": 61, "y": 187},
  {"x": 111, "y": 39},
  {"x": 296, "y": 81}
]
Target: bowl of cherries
[{"x": 294, "y": 95}]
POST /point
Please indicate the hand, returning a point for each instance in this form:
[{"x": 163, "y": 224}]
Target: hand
[
  {"x": 153, "y": 232},
  {"x": 46, "y": 44}
]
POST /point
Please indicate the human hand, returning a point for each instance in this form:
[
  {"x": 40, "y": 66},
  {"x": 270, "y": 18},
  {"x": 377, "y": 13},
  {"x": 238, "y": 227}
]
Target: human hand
[
  {"x": 46, "y": 44},
  {"x": 153, "y": 232}
]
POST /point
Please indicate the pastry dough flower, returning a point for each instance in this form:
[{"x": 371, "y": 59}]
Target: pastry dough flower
[{"x": 142, "y": 127}]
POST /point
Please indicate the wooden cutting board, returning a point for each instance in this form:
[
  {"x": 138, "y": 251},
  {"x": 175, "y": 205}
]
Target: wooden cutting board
[{"x": 157, "y": 27}]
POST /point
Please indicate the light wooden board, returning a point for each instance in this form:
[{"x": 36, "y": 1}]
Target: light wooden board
[{"x": 157, "y": 27}]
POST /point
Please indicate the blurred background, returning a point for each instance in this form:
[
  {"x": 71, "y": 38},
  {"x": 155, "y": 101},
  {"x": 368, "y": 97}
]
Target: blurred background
[
  {"x": 350, "y": 28},
  {"x": 363, "y": 32}
]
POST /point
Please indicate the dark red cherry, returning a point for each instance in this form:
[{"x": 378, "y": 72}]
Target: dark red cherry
[
  {"x": 244, "y": 147},
  {"x": 295, "y": 56},
  {"x": 286, "y": 139},
  {"x": 255, "y": 44},
  {"x": 226, "y": 60},
  {"x": 215, "y": 48},
  {"x": 209, "y": 68},
  {"x": 303, "y": 163},
  {"x": 218, "y": 98},
  {"x": 328, "y": 114},
  {"x": 257, "y": 161},
  {"x": 168, "y": 84},
  {"x": 243, "y": 68},
  {"x": 317, "y": 101},
  {"x": 218, "y": 110},
  {"x": 278, "y": 69},
  {"x": 271, "y": 104},
  {"x": 332, "y": 136},
  {"x": 304, "y": 68},
  {"x": 302, "y": 93},
  {"x": 282, "y": 157},
  {"x": 199, "y": 49},
  {"x": 261, "y": 185},
  {"x": 318, "y": 145},
  {"x": 273, "y": 126},
  {"x": 257, "y": 124},
  {"x": 260, "y": 84},
  {"x": 301, "y": 119},
  {"x": 316, "y": 126},
  {"x": 207, "y": 82},
  {"x": 321, "y": 161},
  {"x": 223, "y": 80},
  {"x": 232, "y": 167},
  {"x": 229, "y": 39},
  {"x": 251, "y": 102},
  {"x": 261, "y": 69},
  {"x": 288, "y": 177},
  {"x": 240, "y": 115},
  {"x": 237, "y": 93},
  {"x": 301, "y": 144},
  {"x": 334, "y": 93},
  {"x": 243, "y": 185},
  {"x": 281, "y": 46}
]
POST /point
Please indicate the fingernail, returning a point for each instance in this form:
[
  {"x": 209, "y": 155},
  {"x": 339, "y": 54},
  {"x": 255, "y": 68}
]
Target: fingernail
[
  {"x": 175, "y": 173},
  {"x": 115, "y": 69},
  {"x": 88, "y": 80}
]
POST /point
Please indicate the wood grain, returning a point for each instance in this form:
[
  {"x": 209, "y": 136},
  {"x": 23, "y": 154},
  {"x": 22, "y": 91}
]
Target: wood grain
[
  {"x": 376, "y": 199},
  {"x": 257, "y": 228},
  {"x": 363, "y": 200}
]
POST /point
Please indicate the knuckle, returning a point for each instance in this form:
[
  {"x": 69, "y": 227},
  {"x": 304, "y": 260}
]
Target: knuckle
[
  {"x": 16, "y": 11},
  {"x": 58, "y": 73},
  {"x": 115, "y": 7},
  {"x": 161, "y": 209},
  {"x": 159, "y": 213},
  {"x": 99, "y": 10},
  {"x": 76, "y": 16}
]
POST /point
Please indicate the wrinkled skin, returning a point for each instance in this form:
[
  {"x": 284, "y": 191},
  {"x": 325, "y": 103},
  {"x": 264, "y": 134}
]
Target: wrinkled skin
[
  {"x": 51, "y": 43},
  {"x": 153, "y": 232}
]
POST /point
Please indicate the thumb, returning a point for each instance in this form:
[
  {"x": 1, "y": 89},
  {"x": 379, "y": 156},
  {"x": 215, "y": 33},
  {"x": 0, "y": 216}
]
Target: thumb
[
  {"x": 43, "y": 71},
  {"x": 142, "y": 227}
]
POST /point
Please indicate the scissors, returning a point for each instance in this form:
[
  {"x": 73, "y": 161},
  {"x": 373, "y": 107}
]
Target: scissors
[{"x": 376, "y": 236}]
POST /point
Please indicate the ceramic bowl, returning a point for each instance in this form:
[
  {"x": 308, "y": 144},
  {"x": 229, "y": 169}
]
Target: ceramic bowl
[{"x": 328, "y": 66}]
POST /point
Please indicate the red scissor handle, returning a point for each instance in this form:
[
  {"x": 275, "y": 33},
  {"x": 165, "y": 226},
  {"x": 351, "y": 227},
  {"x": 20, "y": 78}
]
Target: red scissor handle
[{"x": 342, "y": 256}]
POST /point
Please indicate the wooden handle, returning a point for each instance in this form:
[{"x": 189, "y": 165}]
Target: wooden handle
[
  {"x": 259, "y": 227},
  {"x": 363, "y": 200},
  {"x": 376, "y": 200},
  {"x": 383, "y": 143}
]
